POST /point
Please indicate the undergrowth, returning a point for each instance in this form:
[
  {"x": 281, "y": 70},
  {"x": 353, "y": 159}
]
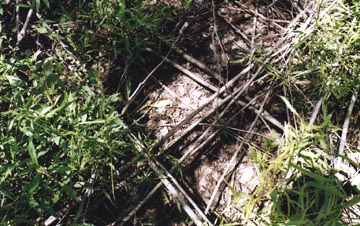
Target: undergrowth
[
  {"x": 64, "y": 147},
  {"x": 298, "y": 182},
  {"x": 58, "y": 138}
]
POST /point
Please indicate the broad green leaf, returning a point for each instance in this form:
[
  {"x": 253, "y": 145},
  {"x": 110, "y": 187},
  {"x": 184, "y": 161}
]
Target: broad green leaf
[
  {"x": 46, "y": 2},
  {"x": 306, "y": 172},
  {"x": 32, "y": 201},
  {"x": 34, "y": 184},
  {"x": 56, "y": 196},
  {"x": 56, "y": 140},
  {"x": 6, "y": 193},
  {"x": 330, "y": 189},
  {"x": 44, "y": 152},
  {"x": 84, "y": 118},
  {"x": 62, "y": 169},
  {"x": 37, "y": 5},
  {"x": 13, "y": 80},
  {"x": 45, "y": 110},
  {"x": 161, "y": 103},
  {"x": 6, "y": 171},
  {"x": 289, "y": 106},
  {"x": 53, "y": 80},
  {"x": 71, "y": 192},
  {"x": 11, "y": 124},
  {"x": 351, "y": 202},
  {"x": 23, "y": 5},
  {"x": 56, "y": 36},
  {"x": 32, "y": 152},
  {"x": 48, "y": 68},
  {"x": 35, "y": 56},
  {"x": 79, "y": 184},
  {"x": 116, "y": 121},
  {"x": 114, "y": 98},
  {"x": 88, "y": 90},
  {"x": 41, "y": 30},
  {"x": 53, "y": 112}
]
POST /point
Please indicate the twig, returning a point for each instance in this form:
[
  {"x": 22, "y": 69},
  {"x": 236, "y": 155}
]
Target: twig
[
  {"x": 339, "y": 163},
  {"x": 201, "y": 107},
  {"x": 186, "y": 155},
  {"x": 265, "y": 114},
  {"x": 63, "y": 45},
  {"x": 304, "y": 29},
  {"x": 204, "y": 140},
  {"x": 173, "y": 94},
  {"x": 215, "y": 36},
  {"x": 17, "y": 17},
  {"x": 198, "y": 64},
  {"x": 163, "y": 174},
  {"x": 231, "y": 164},
  {"x": 188, "y": 73},
  {"x": 192, "y": 149},
  {"x": 267, "y": 58},
  {"x": 21, "y": 34},
  {"x": 252, "y": 45},
  {"x": 315, "y": 112},
  {"x": 239, "y": 91},
  {"x": 158, "y": 185},
  {"x": 190, "y": 152},
  {"x": 142, "y": 84}
]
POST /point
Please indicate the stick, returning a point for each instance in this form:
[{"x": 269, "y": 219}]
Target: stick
[
  {"x": 141, "y": 85},
  {"x": 315, "y": 112},
  {"x": 339, "y": 163},
  {"x": 21, "y": 34},
  {"x": 191, "y": 151},
  {"x": 191, "y": 75},
  {"x": 231, "y": 164},
  {"x": 163, "y": 174},
  {"x": 201, "y": 107},
  {"x": 238, "y": 92},
  {"x": 198, "y": 64}
]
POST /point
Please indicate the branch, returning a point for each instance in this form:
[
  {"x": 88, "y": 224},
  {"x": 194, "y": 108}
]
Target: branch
[
  {"x": 21, "y": 34},
  {"x": 197, "y": 145},
  {"x": 178, "y": 193},
  {"x": 315, "y": 112},
  {"x": 339, "y": 164},
  {"x": 142, "y": 84},
  {"x": 232, "y": 164}
]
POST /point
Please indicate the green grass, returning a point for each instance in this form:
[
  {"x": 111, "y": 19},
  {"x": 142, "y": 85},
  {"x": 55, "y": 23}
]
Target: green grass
[
  {"x": 297, "y": 179},
  {"x": 329, "y": 55},
  {"x": 55, "y": 134},
  {"x": 63, "y": 144}
]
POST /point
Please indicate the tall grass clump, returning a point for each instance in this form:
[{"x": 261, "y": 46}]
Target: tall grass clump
[
  {"x": 328, "y": 57},
  {"x": 63, "y": 146},
  {"x": 60, "y": 139},
  {"x": 116, "y": 29},
  {"x": 298, "y": 183}
]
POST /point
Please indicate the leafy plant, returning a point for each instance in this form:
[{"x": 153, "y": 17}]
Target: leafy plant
[
  {"x": 56, "y": 133},
  {"x": 328, "y": 56},
  {"x": 63, "y": 144},
  {"x": 297, "y": 180}
]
